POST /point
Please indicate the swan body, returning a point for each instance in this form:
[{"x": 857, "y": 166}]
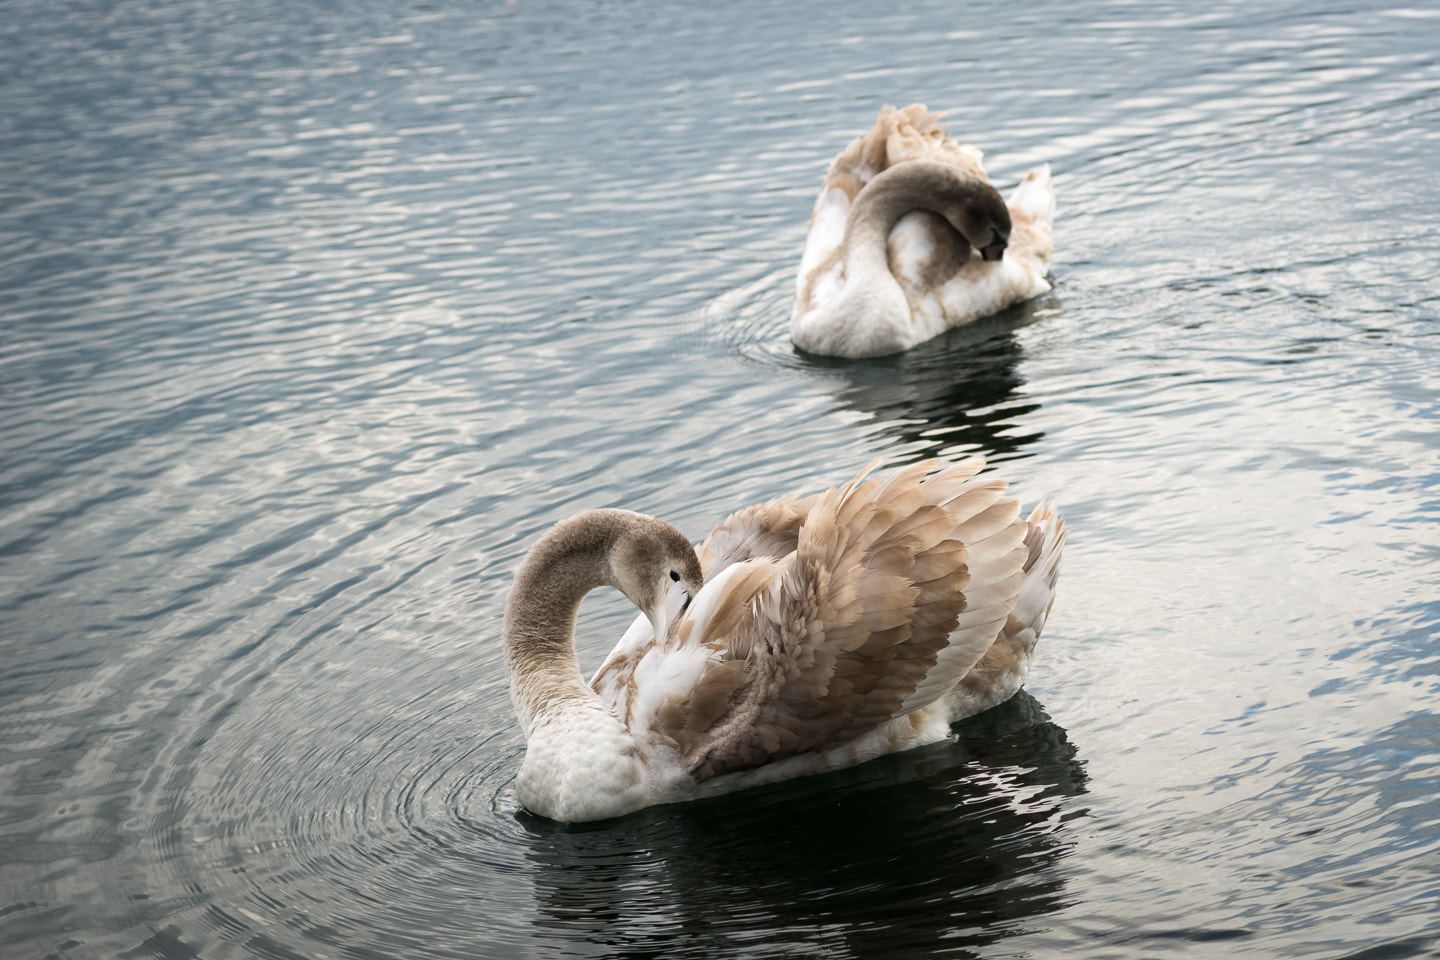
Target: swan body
[
  {"x": 806, "y": 635},
  {"x": 889, "y": 260}
]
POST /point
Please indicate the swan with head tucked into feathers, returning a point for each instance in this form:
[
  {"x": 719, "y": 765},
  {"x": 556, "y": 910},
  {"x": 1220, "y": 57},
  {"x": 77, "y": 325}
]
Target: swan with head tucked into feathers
[
  {"x": 890, "y": 259},
  {"x": 807, "y": 634}
]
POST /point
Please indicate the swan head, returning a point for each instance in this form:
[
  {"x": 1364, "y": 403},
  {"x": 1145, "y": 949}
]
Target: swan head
[
  {"x": 656, "y": 569},
  {"x": 980, "y": 214}
]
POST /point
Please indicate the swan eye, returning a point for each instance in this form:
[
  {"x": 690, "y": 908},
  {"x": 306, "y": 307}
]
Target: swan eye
[{"x": 674, "y": 577}]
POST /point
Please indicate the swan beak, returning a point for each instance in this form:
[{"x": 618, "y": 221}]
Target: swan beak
[
  {"x": 995, "y": 251},
  {"x": 674, "y": 601},
  {"x": 659, "y": 622}
]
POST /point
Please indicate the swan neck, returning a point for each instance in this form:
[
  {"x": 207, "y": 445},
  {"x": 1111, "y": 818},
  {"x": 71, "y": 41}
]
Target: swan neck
[
  {"x": 565, "y": 565},
  {"x": 914, "y": 185}
]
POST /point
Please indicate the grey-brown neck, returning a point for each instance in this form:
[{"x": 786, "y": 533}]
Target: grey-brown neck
[
  {"x": 970, "y": 204},
  {"x": 569, "y": 561},
  {"x": 643, "y": 557}
]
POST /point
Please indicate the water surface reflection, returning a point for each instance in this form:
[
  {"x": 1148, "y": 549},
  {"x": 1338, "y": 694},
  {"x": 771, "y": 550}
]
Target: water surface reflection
[{"x": 958, "y": 394}]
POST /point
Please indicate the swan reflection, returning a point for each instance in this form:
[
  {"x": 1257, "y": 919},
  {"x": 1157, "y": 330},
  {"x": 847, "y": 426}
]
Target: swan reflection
[
  {"x": 958, "y": 394},
  {"x": 958, "y": 842}
]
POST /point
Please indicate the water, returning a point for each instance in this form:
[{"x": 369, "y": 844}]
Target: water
[{"x": 314, "y": 316}]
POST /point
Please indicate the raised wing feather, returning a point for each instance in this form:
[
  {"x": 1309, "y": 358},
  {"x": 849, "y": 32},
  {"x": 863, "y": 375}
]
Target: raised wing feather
[
  {"x": 998, "y": 674},
  {"x": 825, "y": 617}
]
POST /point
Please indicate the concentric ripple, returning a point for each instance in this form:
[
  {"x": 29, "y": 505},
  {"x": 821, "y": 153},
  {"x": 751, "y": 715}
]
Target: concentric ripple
[
  {"x": 401, "y": 829},
  {"x": 374, "y": 829}
]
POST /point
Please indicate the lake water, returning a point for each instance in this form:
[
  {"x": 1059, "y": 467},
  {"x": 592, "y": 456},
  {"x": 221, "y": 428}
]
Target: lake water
[{"x": 313, "y": 316}]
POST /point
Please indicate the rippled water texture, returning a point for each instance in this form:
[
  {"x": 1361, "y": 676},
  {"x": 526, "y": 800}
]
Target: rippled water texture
[{"x": 313, "y": 316}]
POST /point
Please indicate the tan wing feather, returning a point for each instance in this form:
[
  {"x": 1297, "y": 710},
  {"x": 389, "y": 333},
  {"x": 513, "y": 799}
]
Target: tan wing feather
[
  {"x": 878, "y": 590},
  {"x": 998, "y": 674}
]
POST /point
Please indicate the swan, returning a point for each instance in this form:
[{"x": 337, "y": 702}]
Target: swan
[
  {"x": 888, "y": 258},
  {"x": 806, "y": 635}
]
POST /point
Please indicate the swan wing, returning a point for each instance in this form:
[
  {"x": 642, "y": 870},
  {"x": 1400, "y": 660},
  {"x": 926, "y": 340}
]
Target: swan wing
[{"x": 892, "y": 591}]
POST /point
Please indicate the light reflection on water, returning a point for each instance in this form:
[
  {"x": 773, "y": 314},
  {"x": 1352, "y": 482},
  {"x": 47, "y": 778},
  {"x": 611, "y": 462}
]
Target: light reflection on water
[{"x": 315, "y": 318}]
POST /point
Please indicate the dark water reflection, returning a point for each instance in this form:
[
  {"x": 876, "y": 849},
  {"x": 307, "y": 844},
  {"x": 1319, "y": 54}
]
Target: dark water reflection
[
  {"x": 958, "y": 393},
  {"x": 313, "y": 316},
  {"x": 955, "y": 844}
]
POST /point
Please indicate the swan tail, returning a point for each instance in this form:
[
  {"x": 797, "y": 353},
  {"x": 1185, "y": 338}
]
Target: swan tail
[
  {"x": 1034, "y": 198},
  {"x": 1032, "y": 216}
]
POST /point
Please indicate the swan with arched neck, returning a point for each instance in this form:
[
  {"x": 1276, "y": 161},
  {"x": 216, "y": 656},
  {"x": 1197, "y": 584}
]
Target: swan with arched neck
[
  {"x": 909, "y": 238},
  {"x": 807, "y": 634}
]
